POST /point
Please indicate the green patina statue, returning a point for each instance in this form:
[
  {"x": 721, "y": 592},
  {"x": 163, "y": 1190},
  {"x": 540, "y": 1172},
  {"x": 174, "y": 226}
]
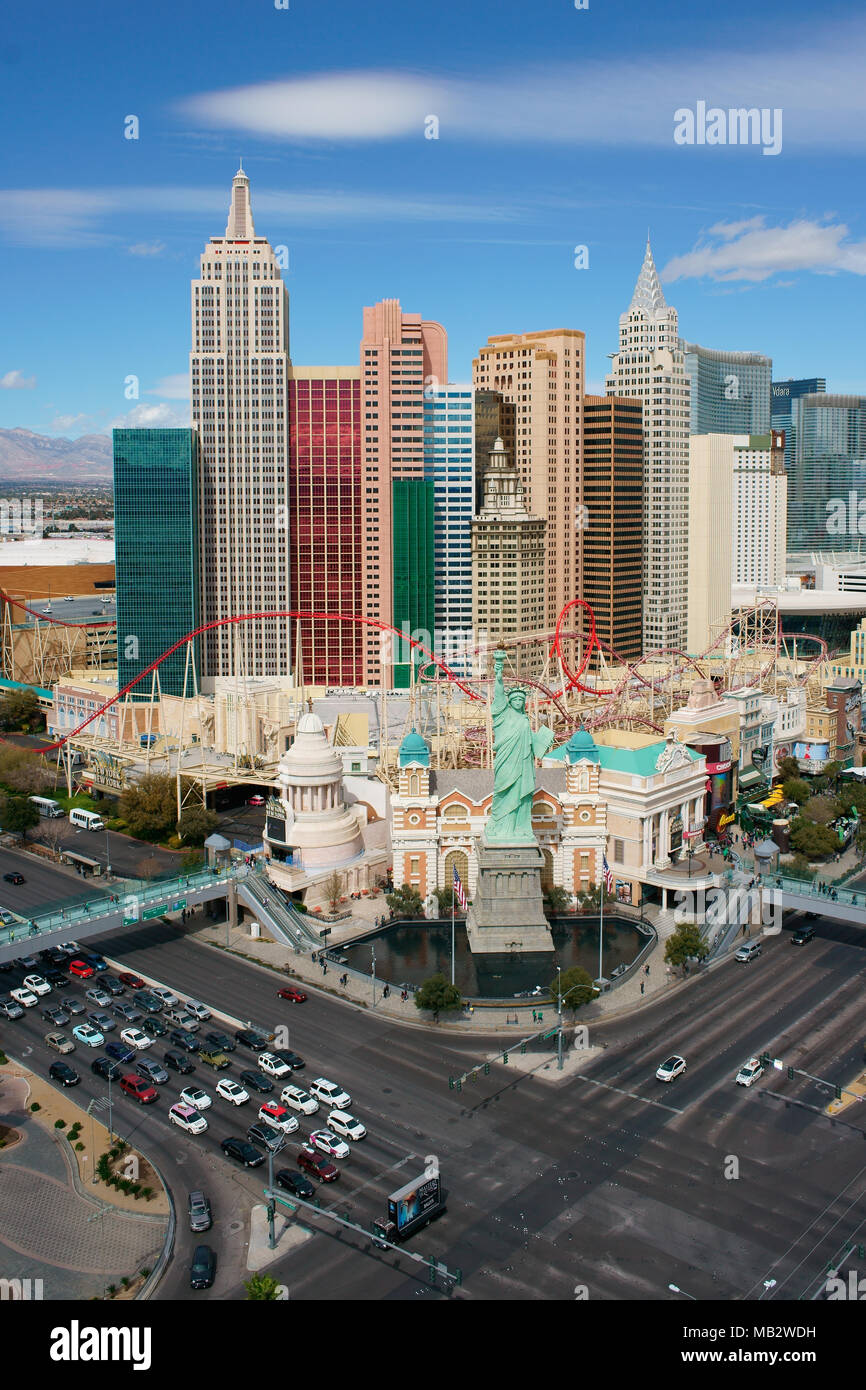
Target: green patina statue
[{"x": 515, "y": 748}]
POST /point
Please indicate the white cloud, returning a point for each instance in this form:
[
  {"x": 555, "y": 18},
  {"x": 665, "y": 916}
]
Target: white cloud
[
  {"x": 17, "y": 381},
  {"x": 147, "y": 248},
  {"x": 151, "y": 417},
  {"x": 68, "y": 422},
  {"x": 616, "y": 101},
  {"x": 172, "y": 388},
  {"x": 753, "y": 251}
]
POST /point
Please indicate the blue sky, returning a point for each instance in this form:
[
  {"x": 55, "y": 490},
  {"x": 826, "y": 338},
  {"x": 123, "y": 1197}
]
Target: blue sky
[{"x": 556, "y": 129}]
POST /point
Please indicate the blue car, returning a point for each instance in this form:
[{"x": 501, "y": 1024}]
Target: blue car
[
  {"x": 120, "y": 1052},
  {"x": 93, "y": 959}
]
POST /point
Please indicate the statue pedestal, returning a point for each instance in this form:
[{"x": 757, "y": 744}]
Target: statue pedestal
[{"x": 506, "y": 912}]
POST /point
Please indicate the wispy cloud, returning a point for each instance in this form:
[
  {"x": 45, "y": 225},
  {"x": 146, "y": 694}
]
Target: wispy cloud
[
  {"x": 145, "y": 417},
  {"x": 619, "y": 101},
  {"x": 69, "y": 422},
  {"x": 146, "y": 248},
  {"x": 172, "y": 388},
  {"x": 752, "y": 251},
  {"x": 17, "y": 381}
]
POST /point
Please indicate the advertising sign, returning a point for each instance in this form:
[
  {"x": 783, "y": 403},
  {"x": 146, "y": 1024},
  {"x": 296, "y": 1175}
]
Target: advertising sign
[{"x": 414, "y": 1200}]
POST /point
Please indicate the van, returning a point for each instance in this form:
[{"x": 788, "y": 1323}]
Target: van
[
  {"x": 749, "y": 951},
  {"x": 86, "y": 820},
  {"x": 46, "y": 806}
]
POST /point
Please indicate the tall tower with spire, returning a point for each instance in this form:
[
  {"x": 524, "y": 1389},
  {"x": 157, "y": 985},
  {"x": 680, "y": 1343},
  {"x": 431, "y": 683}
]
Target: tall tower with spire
[
  {"x": 239, "y": 367},
  {"x": 650, "y": 366}
]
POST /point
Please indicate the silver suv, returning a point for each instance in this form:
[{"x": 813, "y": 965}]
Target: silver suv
[
  {"x": 151, "y": 1070},
  {"x": 200, "y": 1218}
]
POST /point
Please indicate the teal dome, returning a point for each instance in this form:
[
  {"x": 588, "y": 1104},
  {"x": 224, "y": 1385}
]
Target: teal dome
[
  {"x": 581, "y": 747},
  {"x": 413, "y": 749}
]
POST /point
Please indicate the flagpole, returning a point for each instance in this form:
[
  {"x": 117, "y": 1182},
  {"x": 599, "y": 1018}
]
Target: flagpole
[
  {"x": 601, "y": 925},
  {"x": 452, "y": 934}
]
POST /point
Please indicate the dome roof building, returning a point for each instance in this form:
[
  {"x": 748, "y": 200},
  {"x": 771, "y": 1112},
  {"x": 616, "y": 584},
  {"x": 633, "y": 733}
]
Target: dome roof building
[{"x": 319, "y": 832}]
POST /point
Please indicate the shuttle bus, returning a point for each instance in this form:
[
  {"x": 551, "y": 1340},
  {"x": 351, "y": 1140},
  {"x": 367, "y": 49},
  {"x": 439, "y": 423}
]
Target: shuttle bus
[{"x": 45, "y": 806}]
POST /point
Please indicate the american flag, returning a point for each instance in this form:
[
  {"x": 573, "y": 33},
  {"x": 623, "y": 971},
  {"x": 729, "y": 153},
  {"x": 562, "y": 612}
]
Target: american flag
[
  {"x": 458, "y": 888},
  {"x": 608, "y": 875}
]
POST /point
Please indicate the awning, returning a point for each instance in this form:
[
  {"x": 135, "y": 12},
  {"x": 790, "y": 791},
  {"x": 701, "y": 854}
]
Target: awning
[{"x": 752, "y": 778}]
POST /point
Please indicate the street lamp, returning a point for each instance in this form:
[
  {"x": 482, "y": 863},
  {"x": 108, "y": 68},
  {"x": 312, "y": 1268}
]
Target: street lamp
[
  {"x": 272, "y": 1153},
  {"x": 674, "y": 1288},
  {"x": 107, "y": 854},
  {"x": 373, "y": 968}
]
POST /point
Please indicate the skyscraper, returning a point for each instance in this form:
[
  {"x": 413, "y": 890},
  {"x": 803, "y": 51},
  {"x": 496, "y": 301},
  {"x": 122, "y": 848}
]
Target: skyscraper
[
  {"x": 239, "y": 367},
  {"x": 508, "y": 564},
  {"x": 730, "y": 391},
  {"x": 542, "y": 375},
  {"x": 760, "y": 511},
  {"x": 782, "y": 401},
  {"x": 449, "y": 428},
  {"x": 156, "y": 554},
  {"x": 402, "y": 358},
  {"x": 612, "y": 493},
  {"x": 494, "y": 419},
  {"x": 325, "y": 525},
  {"x": 711, "y": 480},
  {"x": 650, "y": 367},
  {"x": 827, "y": 471}
]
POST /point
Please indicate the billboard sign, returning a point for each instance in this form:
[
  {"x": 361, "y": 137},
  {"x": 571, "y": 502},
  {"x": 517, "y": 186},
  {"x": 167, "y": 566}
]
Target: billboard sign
[{"x": 414, "y": 1200}]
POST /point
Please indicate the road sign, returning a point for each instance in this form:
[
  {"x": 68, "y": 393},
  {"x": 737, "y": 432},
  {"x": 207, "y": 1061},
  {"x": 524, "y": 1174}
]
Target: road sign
[
  {"x": 130, "y": 921},
  {"x": 181, "y": 903},
  {"x": 153, "y": 912}
]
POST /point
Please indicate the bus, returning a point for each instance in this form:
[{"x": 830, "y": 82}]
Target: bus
[
  {"x": 86, "y": 820},
  {"x": 45, "y": 806}
]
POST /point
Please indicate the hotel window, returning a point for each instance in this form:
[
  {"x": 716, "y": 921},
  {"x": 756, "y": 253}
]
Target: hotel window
[{"x": 618, "y": 848}]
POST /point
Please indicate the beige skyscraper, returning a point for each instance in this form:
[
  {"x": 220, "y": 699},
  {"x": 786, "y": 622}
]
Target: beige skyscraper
[
  {"x": 543, "y": 375},
  {"x": 239, "y": 367},
  {"x": 650, "y": 366},
  {"x": 508, "y": 564},
  {"x": 711, "y": 481}
]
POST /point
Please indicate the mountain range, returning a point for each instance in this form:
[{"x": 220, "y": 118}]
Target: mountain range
[{"x": 24, "y": 455}]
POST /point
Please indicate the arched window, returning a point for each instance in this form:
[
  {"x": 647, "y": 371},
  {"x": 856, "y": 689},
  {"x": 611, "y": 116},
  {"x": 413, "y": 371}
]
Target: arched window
[
  {"x": 459, "y": 859},
  {"x": 414, "y": 784}
]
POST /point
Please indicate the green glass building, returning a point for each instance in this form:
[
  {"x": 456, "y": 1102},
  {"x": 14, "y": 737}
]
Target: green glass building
[
  {"x": 156, "y": 553},
  {"x": 413, "y": 556}
]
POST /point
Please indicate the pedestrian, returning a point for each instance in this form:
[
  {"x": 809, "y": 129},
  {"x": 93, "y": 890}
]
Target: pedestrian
[
  {"x": 386, "y": 992},
  {"x": 641, "y": 986},
  {"x": 646, "y": 970}
]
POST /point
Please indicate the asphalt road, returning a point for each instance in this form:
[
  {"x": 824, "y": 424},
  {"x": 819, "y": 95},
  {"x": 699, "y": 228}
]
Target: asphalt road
[
  {"x": 609, "y": 1180},
  {"x": 45, "y": 885}
]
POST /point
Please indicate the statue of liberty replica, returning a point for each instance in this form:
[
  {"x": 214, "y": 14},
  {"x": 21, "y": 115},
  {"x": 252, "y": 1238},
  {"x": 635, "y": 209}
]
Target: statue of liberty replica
[{"x": 506, "y": 912}]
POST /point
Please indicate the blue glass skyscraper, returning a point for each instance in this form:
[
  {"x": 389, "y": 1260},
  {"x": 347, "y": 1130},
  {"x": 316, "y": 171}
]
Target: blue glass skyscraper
[
  {"x": 730, "y": 391},
  {"x": 449, "y": 457}
]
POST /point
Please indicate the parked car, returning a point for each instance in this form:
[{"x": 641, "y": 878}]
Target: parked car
[
  {"x": 187, "y": 1119},
  {"x": 26, "y": 997},
  {"x": 126, "y": 977},
  {"x": 197, "y": 1009},
  {"x": 200, "y": 1218},
  {"x": 139, "y": 1089},
  {"x": 80, "y": 969},
  {"x": 112, "y": 986},
  {"x": 242, "y": 1151},
  {"x": 37, "y": 984},
  {"x": 251, "y": 1039},
  {"x": 294, "y": 996},
  {"x": 10, "y": 1008},
  {"x": 94, "y": 959},
  {"x": 59, "y": 1042},
  {"x": 182, "y": 1018},
  {"x": 56, "y": 978},
  {"x": 168, "y": 998},
  {"x": 178, "y": 1062},
  {"x": 149, "y": 1002},
  {"x": 202, "y": 1271},
  {"x": 317, "y": 1166},
  {"x": 62, "y": 1072}
]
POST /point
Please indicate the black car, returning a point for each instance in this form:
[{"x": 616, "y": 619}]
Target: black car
[
  {"x": 154, "y": 1027},
  {"x": 291, "y": 1059},
  {"x": 53, "y": 956},
  {"x": 73, "y": 1005},
  {"x": 203, "y": 1268},
  {"x": 801, "y": 935},
  {"x": 105, "y": 1067},
  {"x": 221, "y": 1042},
  {"x": 253, "y": 1040},
  {"x": 10, "y": 1008},
  {"x": 181, "y": 1038},
  {"x": 178, "y": 1062},
  {"x": 266, "y": 1137},
  {"x": 6, "y": 966},
  {"x": 14, "y": 878},
  {"x": 254, "y": 1081},
  {"x": 112, "y": 986},
  {"x": 242, "y": 1151},
  {"x": 62, "y": 1072},
  {"x": 149, "y": 1002},
  {"x": 57, "y": 979},
  {"x": 296, "y": 1183}
]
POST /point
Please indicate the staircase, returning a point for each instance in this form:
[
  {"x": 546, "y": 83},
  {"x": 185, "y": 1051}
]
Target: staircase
[{"x": 277, "y": 915}]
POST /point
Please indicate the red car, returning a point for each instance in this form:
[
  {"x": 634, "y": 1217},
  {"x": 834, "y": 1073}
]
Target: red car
[
  {"x": 131, "y": 981},
  {"x": 295, "y": 996},
  {"x": 80, "y": 970},
  {"x": 318, "y": 1167},
  {"x": 139, "y": 1089},
  {"x": 256, "y": 801}
]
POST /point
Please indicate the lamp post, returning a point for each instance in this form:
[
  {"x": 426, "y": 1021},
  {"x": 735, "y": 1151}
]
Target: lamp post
[
  {"x": 107, "y": 854},
  {"x": 373, "y": 971},
  {"x": 272, "y": 1153},
  {"x": 675, "y": 1289}
]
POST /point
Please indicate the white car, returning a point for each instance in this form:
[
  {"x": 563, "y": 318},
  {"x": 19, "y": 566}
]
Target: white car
[
  {"x": 196, "y": 1097},
  {"x": 133, "y": 1037},
  {"x": 197, "y": 1009},
  {"x": 187, "y": 1118},
  {"x": 328, "y": 1143},
  {"x": 278, "y": 1117},
  {"x": 231, "y": 1091},
  {"x": 673, "y": 1067},
  {"x": 329, "y": 1093},
  {"x": 339, "y": 1122},
  {"x": 273, "y": 1066},
  {"x": 296, "y": 1099},
  {"x": 750, "y": 1073},
  {"x": 24, "y": 996},
  {"x": 36, "y": 984},
  {"x": 168, "y": 999}
]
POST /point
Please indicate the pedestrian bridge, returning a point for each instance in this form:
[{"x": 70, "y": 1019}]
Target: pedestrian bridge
[
  {"x": 131, "y": 907},
  {"x": 799, "y": 895}
]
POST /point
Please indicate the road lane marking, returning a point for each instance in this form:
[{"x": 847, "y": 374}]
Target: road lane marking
[{"x": 605, "y": 1085}]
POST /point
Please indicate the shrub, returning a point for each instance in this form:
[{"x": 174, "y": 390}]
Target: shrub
[
  {"x": 3, "y": 1059},
  {"x": 145, "y": 1273},
  {"x": 147, "y": 1193},
  {"x": 35, "y": 1106},
  {"x": 59, "y": 1124},
  {"x": 79, "y": 1148}
]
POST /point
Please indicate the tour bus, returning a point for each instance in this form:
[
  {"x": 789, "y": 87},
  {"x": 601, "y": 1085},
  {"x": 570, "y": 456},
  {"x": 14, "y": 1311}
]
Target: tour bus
[
  {"x": 87, "y": 820},
  {"x": 45, "y": 806}
]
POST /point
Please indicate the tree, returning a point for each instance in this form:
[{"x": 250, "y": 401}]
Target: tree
[
  {"x": 789, "y": 767},
  {"x": 556, "y": 899},
  {"x": 577, "y": 988},
  {"x": 685, "y": 943},
  {"x": 149, "y": 867},
  {"x": 196, "y": 823},
  {"x": 149, "y": 808},
  {"x": 812, "y": 840},
  {"x": 820, "y": 809},
  {"x": 263, "y": 1287},
  {"x": 19, "y": 815},
  {"x": 796, "y": 789},
  {"x": 333, "y": 886},
  {"x": 800, "y": 867},
  {"x": 19, "y": 709},
  {"x": 23, "y": 771},
  {"x": 437, "y": 995},
  {"x": 445, "y": 897},
  {"x": 405, "y": 902}
]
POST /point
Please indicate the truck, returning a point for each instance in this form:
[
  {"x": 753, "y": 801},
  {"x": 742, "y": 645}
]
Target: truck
[{"x": 411, "y": 1208}]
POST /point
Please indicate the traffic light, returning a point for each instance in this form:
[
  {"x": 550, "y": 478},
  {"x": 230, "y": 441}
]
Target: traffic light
[
  {"x": 861, "y": 1252},
  {"x": 451, "y": 1083},
  {"x": 473, "y": 1076},
  {"x": 523, "y": 1049},
  {"x": 790, "y": 1073},
  {"x": 458, "y": 1276},
  {"x": 837, "y": 1091},
  {"x": 459, "y": 1083},
  {"x": 765, "y": 1059},
  {"x": 272, "y": 1210},
  {"x": 505, "y": 1058},
  {"x": 486, "y": 1068}
]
